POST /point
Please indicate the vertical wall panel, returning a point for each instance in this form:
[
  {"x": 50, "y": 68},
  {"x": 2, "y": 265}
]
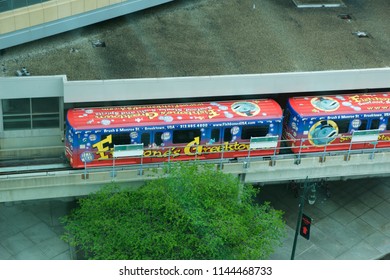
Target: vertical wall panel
[
  {"x": 36, "y": 14},
  {"x": 102, "y": 3},
  {"x": 90, "y": 5},
  {"x": 78, "y": 7},
  {"x": 64, "y": 9},
  {"x": 22, "y": 20},
  {"x": 7, "y": 23},
  {"x": 50, "y": 13}
]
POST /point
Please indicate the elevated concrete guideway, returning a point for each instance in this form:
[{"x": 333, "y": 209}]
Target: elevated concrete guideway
[
  {"x": 80, "y": 182},
  {"x": 225, "y": 85},
  {"x": 194, "y": 87}
]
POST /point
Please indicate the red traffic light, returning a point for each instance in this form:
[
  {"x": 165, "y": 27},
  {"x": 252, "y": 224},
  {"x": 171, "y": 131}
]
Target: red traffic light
[{"x": 305, "y": 226}]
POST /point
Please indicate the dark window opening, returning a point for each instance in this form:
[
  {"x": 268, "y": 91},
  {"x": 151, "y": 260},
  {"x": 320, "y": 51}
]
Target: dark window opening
[
  {"x": 363, "y": 125},
  {"x": 388, "y": 124},
  {"x": 227, "y": 134},
  {"x": 117, "y": 139},
  {"x": 375, "y": 124},
  {"x": 343, "y": 125},
  {"x": 185, "y": 136},
  {"x": 121, "y": 139},
  {"x": 31, "y": 113},
  {"x": 45, "y": 105},
  {"x": 7, "y": 5},
  {"x": 44, "y": 121},
  {"x": 16, "y": 106},
  {"x": 158, "y": 138},
  {"x": 254, "y": 131},
  {"x": 145, "y": 139},
  {"x": 215, "y": 135},
  {"x": 17, "y": 122}
]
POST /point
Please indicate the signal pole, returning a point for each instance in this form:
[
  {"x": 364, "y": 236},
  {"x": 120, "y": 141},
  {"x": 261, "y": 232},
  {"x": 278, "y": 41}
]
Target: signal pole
[{"x": 312, "y": 199}]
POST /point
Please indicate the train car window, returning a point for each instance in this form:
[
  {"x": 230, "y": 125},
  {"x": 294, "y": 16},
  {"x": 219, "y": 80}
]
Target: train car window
[
  {"x": 388, "y": 124},
  {"x": 145, "y": 139},
  {"x": 254, "y": 131},
  {"x": 343, "y": 125},
  {"x": 117, "y": 139},
  {"x": 158, "y": 138},
  {"x": 185, "y": 136},
  {"x": 215, "y": 135},
  {"x": 363, "y": 125},
  {"x": 374, "y": 124},
  {"x": 121, "y": 139},
  {"x": 227, "y": 134}
]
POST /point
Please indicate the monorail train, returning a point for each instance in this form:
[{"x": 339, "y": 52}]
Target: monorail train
[
  {"x": 211, "y": 130},
  {"x": 315, "y": 124}
]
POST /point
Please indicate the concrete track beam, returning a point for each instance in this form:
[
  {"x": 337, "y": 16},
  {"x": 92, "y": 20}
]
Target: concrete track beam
[
  {"x": 77, "y": 183},
  {"x": 333, "y": 167}
]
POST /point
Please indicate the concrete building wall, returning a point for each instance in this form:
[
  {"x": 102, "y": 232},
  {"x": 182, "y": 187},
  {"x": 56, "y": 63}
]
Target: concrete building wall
[
  {"x": 27, "y": 143},
  {"x": 53, "y": 17},
  {"x": 40, "y": 13},
  {"x": 33, "y": 87}
]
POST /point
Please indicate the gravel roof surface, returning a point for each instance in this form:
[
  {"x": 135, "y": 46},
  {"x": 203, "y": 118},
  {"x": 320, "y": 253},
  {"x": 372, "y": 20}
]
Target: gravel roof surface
[{"x": 208, "y": 37}]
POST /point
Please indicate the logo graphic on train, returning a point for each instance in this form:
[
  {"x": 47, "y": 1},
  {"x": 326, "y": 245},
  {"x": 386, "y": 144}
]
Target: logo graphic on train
[
  {"x": 323, "y": 132},
  {"x": 354, "y": 102},
  {"x": 356, "y": 123},
  {"x": 246, "y": 109},
  {"x": 103, "y": 148},
  {"x": 87, "y": 157},
  {"x": 324, "y": 103}
]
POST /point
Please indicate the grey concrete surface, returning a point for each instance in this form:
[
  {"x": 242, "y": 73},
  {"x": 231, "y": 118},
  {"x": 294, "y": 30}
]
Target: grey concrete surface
[
  {"x": 31, "y": 230},
  {"x": 206, "y": 37},
  {"x": 353, "y": 224}
]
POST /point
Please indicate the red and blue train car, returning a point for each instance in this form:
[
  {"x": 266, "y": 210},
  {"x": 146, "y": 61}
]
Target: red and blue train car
[
  {"x": 318, "y": 123},
  {"x": 183, "y": 131}
]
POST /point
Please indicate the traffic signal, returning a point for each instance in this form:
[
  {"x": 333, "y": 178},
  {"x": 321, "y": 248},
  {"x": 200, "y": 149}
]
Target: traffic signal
[{"x": 305, "y": 226}]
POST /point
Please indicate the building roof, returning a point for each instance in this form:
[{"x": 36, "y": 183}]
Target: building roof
[{"x": 203, "y": 37}]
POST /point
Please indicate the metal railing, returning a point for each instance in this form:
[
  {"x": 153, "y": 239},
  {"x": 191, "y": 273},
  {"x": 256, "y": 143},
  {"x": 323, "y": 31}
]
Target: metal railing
[
  {"x": 216, "y": 154},
  {"x": 225, "y": 153}
]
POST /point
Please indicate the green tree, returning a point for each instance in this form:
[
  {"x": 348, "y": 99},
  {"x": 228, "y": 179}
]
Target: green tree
[{"x": 193, "y": 212}]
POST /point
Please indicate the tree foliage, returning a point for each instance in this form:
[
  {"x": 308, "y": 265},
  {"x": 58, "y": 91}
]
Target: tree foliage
[{"x": 194, "y": 212}]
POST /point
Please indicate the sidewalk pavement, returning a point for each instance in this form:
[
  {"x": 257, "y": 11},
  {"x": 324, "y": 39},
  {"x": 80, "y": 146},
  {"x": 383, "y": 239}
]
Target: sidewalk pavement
[
  {"x": 353, "y": 224},
  {"x": 31, "y": 230}
]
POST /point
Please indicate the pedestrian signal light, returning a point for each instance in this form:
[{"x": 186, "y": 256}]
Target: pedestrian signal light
[{"x": 305, "y": 226}]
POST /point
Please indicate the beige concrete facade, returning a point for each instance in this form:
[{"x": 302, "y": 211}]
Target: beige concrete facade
[{"x": 48, "y": 11}]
